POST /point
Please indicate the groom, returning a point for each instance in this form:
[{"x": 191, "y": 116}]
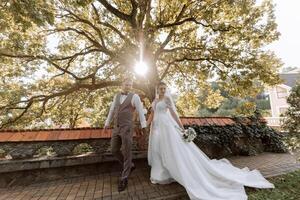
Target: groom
[{"x": 121, "y": 111}]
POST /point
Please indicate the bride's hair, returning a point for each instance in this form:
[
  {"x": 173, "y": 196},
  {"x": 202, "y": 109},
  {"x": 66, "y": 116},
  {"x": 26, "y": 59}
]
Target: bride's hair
[{"x": 161, "y": 83}]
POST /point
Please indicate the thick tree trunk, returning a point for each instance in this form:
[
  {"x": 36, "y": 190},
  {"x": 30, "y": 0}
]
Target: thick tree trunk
[{"x": 153, "y": 76}]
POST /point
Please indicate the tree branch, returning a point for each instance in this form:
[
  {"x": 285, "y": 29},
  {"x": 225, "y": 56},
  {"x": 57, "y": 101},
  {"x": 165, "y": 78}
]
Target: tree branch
[
  {"x": 105, "y": 24},
  {"x": 44, "y": 98},
  {"x": 194, "y": 20},
  {"x": 166, "y": 71},
  {"x": 85, "y": 21},
  {"x": 210, "y": 60},
  {"x": 131, "y": 18},
  {"x": 133, "y": 13},
  {"x": 180, "y": 48},
  {"x": 39, "y": 57},
  {"x": 81, "y": 32},
  {"x": 171, "y": 33},
  {"x": 115, "y": 11}
]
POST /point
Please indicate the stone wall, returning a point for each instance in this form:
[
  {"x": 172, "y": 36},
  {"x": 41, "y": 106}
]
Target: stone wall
[{"x": 25, "y": 150}]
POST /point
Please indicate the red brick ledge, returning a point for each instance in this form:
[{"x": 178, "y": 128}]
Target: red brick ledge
[
  {"x": 221, "y": 121},
  {"x": 33, "y": 135}
]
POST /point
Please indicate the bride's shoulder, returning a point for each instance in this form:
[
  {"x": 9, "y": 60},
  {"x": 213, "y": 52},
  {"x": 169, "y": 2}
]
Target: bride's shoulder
[
  {"x": 153, "y": 103},
  {"x": 167, "y": 100}
]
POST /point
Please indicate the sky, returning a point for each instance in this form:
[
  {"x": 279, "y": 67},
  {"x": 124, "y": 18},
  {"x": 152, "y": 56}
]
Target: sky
[{"x": 288, "y": 19}]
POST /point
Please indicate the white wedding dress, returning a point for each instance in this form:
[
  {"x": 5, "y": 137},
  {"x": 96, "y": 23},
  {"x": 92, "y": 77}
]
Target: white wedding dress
[{"x": 172, "y": 159}]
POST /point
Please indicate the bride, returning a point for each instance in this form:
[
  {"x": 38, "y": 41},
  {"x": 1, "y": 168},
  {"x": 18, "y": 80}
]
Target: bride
[{"x": 172, "y": 159}]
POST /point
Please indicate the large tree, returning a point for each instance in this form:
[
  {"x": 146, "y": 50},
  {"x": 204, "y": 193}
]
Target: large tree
[{"x": 52, "y": 50}]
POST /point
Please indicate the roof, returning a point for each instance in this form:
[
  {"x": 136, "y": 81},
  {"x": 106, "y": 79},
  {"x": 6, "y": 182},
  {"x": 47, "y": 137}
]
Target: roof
[
  {"x": 290, "y": 79},
  {"x": 92, "y": 133}
]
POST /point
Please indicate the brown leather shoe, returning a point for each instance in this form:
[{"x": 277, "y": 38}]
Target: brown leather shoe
[
  {"x": 122, "y": 184},
  {"x": 131, "y": 170}
]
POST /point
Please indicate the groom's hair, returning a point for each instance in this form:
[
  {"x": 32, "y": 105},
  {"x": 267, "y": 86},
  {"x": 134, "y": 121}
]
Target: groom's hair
[{"x": 125, "y": 80}]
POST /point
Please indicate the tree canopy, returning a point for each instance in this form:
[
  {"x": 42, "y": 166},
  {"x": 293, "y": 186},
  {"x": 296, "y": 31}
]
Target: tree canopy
[{"x": 58, "y": 53}]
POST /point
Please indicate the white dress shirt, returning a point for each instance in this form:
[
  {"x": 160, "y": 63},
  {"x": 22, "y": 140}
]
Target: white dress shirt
[{"x": 135, "y": 102}]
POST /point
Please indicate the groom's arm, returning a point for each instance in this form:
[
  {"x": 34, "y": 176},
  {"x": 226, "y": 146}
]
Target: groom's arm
[
  {"x": 110, "y": 114},
  {"x": 136, "y": 101}
]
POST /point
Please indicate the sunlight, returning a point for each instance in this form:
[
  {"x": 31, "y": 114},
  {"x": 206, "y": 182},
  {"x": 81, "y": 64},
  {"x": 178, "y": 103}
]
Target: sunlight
[
  {"x": 52, "y": 43},
  {"x": 173, "y": 88},
  {"x": 141, "y": 68}
]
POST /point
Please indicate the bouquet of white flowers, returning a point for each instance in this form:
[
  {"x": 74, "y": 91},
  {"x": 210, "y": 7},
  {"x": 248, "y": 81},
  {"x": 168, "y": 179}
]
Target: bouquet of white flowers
[{"x": 188, "y": 134}]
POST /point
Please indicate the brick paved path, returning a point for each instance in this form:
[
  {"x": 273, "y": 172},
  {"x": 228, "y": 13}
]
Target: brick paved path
[{"x": 104, "y": 186}]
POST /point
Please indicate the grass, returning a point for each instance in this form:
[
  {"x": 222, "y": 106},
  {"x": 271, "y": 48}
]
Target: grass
[{"x": 287, "y": 187}]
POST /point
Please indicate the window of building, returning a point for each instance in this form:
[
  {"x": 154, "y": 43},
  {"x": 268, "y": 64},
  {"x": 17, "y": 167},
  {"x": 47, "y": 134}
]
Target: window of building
[{"x": 281, "y": 92}]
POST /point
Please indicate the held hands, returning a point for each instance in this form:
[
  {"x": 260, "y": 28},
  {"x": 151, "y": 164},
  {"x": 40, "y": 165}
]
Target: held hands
[
  {"x": 143, "y": 131},
  {"x": 104, "y": 129},
  {"x": 140, "y": 131},
  {"x": 148, "y": 124}
]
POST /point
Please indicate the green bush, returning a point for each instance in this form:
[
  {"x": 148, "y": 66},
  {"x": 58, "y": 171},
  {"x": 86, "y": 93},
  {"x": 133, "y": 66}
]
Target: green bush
[
  {"x": 263, "y": 104},
  {"x": 205, "y": 113},
  {"x": 292, "y": 141},
  {"x": 224, "y": 112},
  {"x": 45, "y": 151},
  {"x": 252, "y": 128},
  {"x": 2, "y": 153},
  {"x": 82, "y": 149},
  {"x": 292, "y": 121}
]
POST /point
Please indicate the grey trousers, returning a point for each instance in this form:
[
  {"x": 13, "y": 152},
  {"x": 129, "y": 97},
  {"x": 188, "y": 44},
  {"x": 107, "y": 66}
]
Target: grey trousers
[{"x": 121, "y": 142}]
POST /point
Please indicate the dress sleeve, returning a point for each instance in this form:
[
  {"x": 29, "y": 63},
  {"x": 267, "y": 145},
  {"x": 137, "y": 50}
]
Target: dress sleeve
[{"x": 173, "y": 112}]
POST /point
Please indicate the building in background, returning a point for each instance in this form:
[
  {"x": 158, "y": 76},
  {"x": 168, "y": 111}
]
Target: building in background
[{"x": 278, "y": 96}]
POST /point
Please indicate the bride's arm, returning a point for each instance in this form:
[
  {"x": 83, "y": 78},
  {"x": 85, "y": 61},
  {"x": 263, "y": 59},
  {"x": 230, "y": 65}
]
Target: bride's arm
[
  {"x": 175, "y": 117},
  {"x": 150, "y": 118},
  {"x": 173, "y": 113}
]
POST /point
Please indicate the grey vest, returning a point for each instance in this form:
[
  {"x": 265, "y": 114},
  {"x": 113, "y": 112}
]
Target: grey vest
[{"x": 123, "y": 113}]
